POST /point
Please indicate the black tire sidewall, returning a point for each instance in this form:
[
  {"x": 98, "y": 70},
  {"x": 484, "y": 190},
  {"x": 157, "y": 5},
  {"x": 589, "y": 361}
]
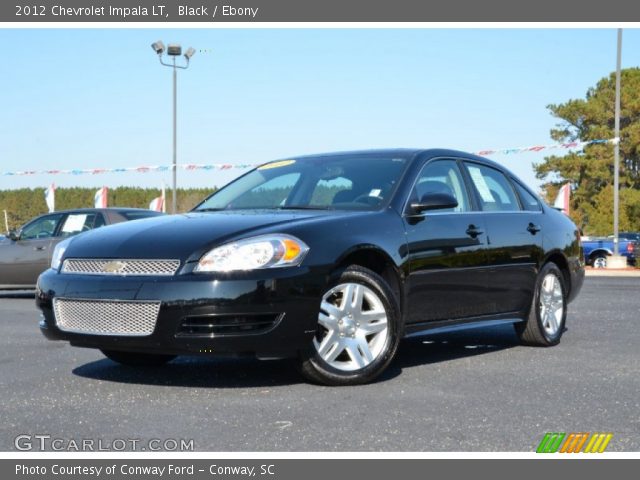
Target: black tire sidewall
[{"x": 547, "y": 269}]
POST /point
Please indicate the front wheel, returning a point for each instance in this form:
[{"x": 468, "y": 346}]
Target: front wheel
[
  {"x": 548, "y": 313},
  {"x": 357, "y": 332},
  {"x": 133, "y": 359}
]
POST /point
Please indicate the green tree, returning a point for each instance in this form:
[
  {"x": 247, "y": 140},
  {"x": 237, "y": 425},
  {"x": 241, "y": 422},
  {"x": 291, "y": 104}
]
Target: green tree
[
  {"x": 25, "y": 203},
  {"x": 590, "y": 172}
]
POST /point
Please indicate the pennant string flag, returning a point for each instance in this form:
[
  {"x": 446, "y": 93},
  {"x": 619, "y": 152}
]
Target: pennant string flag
[{"x": 228, "y": 166}]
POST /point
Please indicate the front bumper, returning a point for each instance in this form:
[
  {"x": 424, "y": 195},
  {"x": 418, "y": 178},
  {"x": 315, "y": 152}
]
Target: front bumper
[{"x": 291, "y": 295}]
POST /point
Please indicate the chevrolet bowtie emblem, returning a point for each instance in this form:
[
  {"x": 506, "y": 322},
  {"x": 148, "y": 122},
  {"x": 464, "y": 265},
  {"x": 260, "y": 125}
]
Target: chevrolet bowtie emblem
[{"x": 114, "y": 267}]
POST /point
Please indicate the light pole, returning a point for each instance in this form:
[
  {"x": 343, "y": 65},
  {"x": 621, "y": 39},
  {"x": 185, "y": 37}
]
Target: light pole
[
  {"x": 616, "y": 151},
  {"x": 173, "y": 51}
]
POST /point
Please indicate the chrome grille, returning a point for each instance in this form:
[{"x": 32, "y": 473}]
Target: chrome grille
[
  {"x": 106, "y": 317},
  {"x": 120, "y": 267}
]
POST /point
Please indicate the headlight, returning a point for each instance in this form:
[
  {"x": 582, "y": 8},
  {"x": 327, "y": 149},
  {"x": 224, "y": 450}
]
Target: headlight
[
  {"x": 58, "y": 253},
  {"x": 265, "y": 251}
]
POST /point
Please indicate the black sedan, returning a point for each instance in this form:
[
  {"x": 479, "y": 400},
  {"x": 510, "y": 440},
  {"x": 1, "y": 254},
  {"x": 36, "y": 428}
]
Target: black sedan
[
  {"x": 26, "y": 252},
  {"x": 330, "y": 259}
]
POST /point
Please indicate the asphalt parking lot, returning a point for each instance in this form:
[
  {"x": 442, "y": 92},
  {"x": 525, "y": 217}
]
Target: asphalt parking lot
[{"x": 472, "y": 391}]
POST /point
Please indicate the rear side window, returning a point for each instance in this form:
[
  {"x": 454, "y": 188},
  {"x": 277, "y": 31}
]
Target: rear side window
[
  {"x": 529, "y": 202},
  {"x": 76, "y": 223},
  {"x": 494, "y": 189},
  {"x": 99, "y": 221}
]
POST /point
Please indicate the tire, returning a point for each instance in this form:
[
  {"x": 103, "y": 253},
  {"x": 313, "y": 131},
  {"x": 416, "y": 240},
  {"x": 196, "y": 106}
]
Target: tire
[
  {"x": 355, "y": 341},
  {"x": 134, "y": 359},
  {"x": 545, "y": 323},
  {"x": 599, "y": 261}
]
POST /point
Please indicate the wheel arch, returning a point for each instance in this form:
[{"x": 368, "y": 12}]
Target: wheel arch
[
  {"x": 377, "y": 260},
  {"x": 594, "y": 253},
  {"x": 561, "y": 261}
]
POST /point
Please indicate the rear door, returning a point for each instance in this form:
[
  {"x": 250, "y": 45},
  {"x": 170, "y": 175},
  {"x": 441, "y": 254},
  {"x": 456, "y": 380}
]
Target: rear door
[
  {"x": 447, "y": 250},
  {"x": 513, "y": 218}
]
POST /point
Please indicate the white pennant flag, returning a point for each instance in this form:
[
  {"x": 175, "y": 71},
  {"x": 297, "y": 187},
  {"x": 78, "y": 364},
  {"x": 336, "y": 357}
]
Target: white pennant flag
[
  {"x": 158, "y": 203},
  {"x": 100, "y": 198},
  {"x": 562, "y": 200},
  {"x": 50, "y": 197}
]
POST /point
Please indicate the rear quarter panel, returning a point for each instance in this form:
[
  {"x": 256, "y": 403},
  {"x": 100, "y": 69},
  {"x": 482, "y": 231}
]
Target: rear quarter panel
[{"x": 562, "y": 238}]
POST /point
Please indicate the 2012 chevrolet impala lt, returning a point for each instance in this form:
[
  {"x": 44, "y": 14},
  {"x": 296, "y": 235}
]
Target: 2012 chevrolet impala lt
[{"x": 330, "y": 259}]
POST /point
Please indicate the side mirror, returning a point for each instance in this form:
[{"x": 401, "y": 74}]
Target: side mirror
[
  {"x": 13, "y": 235},
  {"x": 434, "y": 201}
]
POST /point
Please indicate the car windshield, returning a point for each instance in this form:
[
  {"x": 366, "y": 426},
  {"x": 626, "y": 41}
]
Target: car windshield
[{"x": 341, "y": 182}]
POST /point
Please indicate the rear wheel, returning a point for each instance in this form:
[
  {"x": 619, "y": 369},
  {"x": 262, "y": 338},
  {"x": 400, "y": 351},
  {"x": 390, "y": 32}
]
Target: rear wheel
[
  {"x": 134, "y": 359},
  {"x": 548, "y": 314},
  {"x": 357, "y": 332}
]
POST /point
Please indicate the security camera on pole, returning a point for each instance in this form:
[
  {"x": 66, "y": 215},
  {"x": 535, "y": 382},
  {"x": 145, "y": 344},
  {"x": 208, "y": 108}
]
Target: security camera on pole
[{"x": 174, "y": 51}]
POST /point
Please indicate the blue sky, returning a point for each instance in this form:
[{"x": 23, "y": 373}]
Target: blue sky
[{"x": 81, "y": 98}]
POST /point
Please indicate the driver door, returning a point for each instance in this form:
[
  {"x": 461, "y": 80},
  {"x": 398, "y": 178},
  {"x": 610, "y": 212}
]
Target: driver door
[{"x": 447, "y": 250}]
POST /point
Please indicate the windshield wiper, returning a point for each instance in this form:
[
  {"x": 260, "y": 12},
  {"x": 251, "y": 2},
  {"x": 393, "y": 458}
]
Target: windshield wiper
[
  {"x": 304, "y": 207},
  {"x": 208, "y": 209}
]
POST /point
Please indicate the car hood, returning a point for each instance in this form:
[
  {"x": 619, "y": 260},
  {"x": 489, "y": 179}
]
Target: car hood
[{"x": 182, "y": 236}]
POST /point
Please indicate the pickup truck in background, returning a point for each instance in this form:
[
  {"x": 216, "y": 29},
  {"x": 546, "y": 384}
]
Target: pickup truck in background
[{"x": 598, "y": 249}]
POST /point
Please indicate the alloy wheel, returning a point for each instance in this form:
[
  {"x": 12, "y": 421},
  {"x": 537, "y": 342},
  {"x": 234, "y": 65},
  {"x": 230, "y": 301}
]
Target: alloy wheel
[{"x": 551, "y": 304}]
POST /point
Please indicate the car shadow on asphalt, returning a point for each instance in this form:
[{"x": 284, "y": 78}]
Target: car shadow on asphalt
[
  {"x": 212, "y": 372},
  {"x": 445, "y": 347}
]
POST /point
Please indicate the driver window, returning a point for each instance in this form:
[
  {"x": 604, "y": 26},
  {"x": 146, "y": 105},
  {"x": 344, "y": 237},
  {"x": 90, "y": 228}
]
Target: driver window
[
  {"x": 442, "y": 176},
  {"x": 44, "y": 227}
]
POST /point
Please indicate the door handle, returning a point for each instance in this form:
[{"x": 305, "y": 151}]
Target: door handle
[
  {"x": 473, "y": 231},
  {"x": 40, "y": 248},
  {"x": 533, "y": 229}
]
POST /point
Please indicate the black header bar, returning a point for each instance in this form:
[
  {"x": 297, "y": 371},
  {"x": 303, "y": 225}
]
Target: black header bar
[{"x": 211, "y": 11}]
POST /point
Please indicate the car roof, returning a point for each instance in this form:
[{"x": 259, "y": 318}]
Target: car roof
[
  {"x": 425, "y": 153},
  {"x": 108, "y": 209},
  {"x": 407, "y": 152}
]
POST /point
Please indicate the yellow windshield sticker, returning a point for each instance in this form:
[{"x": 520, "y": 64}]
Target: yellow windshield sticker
[{"x": 281, "y": 163}]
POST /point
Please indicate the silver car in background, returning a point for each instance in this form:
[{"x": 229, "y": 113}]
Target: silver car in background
[{"x": 25, "y": 253}]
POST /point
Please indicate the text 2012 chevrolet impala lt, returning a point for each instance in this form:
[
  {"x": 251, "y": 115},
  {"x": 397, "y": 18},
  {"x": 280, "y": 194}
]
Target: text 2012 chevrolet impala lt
[{"x": 330, "y": 259}]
